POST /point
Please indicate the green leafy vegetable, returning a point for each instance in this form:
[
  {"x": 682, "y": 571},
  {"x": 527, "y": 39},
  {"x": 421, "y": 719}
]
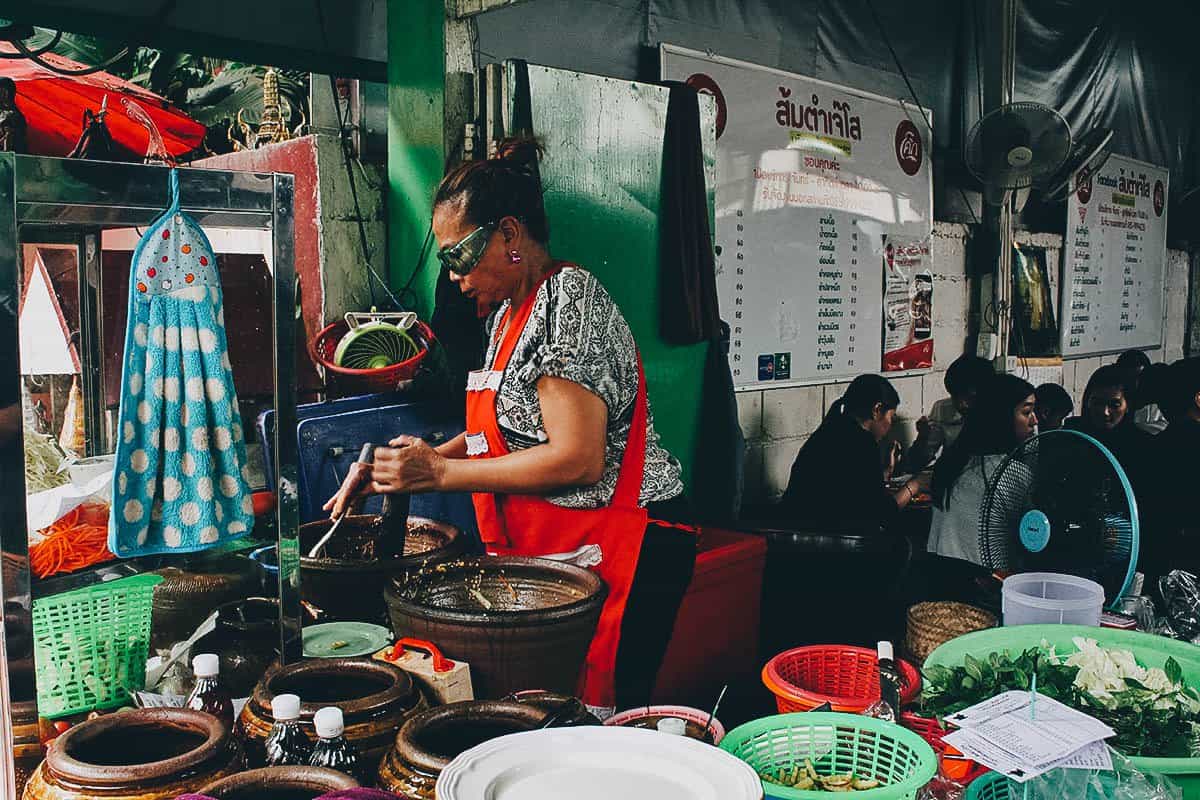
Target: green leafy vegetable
[{"x": 1152, "y": 711}]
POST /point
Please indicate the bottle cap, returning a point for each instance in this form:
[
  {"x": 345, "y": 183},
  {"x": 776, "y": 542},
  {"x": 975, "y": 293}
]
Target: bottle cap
[
  {"x": 206, "y": 665},
  {"x": 328, "y": 722},
  {"x": 285, "y": 707},
  {"x": 886, "y": 652},
  {"x": 673, "y": 725}
]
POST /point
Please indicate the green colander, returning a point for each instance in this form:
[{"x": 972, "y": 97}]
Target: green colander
[{"x": 899, "y": 759}]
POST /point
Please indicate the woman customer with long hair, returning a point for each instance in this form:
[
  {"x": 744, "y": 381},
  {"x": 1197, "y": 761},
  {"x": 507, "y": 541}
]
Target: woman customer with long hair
[{"x": 1003, "y": 418}]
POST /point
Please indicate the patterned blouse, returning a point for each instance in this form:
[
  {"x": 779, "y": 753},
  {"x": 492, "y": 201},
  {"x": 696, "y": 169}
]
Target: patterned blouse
[{"x": 577, "y": 333}]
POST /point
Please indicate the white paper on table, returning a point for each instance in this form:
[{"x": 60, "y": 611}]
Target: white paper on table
[
  {"x": 990, "y": 708},
  {"x": 43, "y": 509},
  {"x": 1096, "y": 756},
  {"x": 1037, "y": 741},
  {"x": 970, "y": 743},
  {"x": 1017, "y": 703}
]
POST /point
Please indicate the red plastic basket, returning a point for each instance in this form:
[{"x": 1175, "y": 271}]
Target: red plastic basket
[
  {"x": 351, "y": 382},
  {"x": 845, "y": 677},
  {"x": 932, "y": 731}
]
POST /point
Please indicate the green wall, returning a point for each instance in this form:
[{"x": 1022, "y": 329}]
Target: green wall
[
  {"x": 602, "y": 173},
  {"x": 416, "y": 141}
]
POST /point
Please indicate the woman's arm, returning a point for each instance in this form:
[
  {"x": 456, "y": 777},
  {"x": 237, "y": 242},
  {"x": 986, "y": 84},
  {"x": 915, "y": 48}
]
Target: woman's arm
[
  {"x": 455, "y": 448},
  {"x": 576, "y": 423}
]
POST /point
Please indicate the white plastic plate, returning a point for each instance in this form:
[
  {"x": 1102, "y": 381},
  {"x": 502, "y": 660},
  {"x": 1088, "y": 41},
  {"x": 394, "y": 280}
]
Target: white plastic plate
[{"x": 597, "y": 763}]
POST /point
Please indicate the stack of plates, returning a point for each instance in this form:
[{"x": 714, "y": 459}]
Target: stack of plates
[{"x": 597, "y": 763}]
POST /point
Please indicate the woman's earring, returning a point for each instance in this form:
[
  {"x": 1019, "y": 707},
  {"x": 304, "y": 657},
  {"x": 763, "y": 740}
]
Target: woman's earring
[{"x": 514, "y": 257}]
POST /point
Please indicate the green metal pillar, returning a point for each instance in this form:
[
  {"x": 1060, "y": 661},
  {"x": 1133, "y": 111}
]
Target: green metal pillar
[{"x": 416, "y": 141}]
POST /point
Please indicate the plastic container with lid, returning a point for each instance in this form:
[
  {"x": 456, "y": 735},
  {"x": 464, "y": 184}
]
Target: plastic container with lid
[{"x": 1033, "y": 598}]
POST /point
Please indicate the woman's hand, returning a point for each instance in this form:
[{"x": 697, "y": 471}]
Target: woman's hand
[
  {"x": 895, "y": 452},
  {"x": 406, "y": 466}
]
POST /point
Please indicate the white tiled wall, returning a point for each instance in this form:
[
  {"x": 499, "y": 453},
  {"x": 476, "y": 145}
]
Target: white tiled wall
[{"x": 777, "y": 422}]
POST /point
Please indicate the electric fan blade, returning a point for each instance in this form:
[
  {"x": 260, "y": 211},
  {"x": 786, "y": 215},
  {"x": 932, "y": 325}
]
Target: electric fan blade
[
  {"x": 1060, "y": 502},
  {"x": 1017, "y": 144}
]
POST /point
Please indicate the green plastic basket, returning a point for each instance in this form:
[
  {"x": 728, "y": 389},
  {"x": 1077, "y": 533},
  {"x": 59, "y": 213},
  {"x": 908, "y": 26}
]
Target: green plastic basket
[
  {"x": 1150, "y": 651},
  {"x": 836, "y": 743},
  {"x": 991, "y": 786},
  {"x": 90, "y": 645}
]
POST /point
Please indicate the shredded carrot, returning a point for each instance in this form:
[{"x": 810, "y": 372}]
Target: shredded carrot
[{"x": 77, "y": 540}]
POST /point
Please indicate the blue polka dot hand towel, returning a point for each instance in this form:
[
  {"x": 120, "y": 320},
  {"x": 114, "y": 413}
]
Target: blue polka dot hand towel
[{"x": 180, "y": 482}]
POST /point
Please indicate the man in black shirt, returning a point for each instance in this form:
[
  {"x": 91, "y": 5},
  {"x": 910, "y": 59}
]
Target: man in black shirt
[{"x": 1171, "y": 533}]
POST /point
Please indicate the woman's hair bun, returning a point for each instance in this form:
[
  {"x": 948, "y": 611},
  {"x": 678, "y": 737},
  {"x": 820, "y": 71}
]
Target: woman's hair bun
[{"x": 520, "y": 151}]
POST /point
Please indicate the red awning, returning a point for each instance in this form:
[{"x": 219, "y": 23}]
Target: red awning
[{"x": 53, "y": 106}]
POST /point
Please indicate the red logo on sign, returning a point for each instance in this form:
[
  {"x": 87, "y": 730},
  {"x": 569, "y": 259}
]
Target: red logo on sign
[
  {"x": 1082, "y": 214},
  {"x": 705, "y": 85},
  {"x": 910, "y": 152},
  {"x": 1083, "y": 185},
  {"x": 1160, "y": 198}
]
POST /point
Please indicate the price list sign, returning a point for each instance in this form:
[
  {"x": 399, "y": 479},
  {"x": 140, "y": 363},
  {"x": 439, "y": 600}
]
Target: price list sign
[
  {"x": 810, "y": 179},
  {"x": 1115, "y": 259}
]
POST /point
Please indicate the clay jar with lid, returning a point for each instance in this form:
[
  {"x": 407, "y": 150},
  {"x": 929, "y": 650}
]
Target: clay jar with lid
[
  {"x": 375, "y": 698},
  {"x": 429, "y": 741},
  {"x": 151, "y": 754},
  {"x": 279, "y": 783}
]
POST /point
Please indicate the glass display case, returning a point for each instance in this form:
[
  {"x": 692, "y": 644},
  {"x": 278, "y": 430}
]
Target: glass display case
[{"x": 68, "y": 229}]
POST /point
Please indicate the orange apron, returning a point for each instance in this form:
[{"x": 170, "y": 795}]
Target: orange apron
[{"x": 529, "y": 525}]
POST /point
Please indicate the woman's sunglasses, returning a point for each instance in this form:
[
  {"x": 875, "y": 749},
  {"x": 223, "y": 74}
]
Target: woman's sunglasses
[{"x": 464, "y": 255}]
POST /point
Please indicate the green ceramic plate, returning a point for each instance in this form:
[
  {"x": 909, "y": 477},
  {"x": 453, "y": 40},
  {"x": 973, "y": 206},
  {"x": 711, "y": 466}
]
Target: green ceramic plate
[{"x": 345, "y": 639}]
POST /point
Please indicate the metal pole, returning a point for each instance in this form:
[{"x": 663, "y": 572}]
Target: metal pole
[{"x": 999, "y": 80}]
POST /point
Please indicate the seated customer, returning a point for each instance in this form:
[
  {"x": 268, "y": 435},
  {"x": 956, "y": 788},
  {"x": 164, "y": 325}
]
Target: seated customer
[
  {"x": 1053, "y": 406},
  {"x": 1171, "y": 527},
  {"x": 939, "y": 430},
  {"x": 1002, "y": 418},
  {"x": 837, "y": 480},
  {"x": 1107, "y": 417},
  {"x": 1152, "y": 385}
]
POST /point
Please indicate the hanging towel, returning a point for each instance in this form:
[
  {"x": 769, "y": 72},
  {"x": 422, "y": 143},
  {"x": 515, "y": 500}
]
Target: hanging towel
[
  {"x": 181, "y": 456},
  {"x": 687, "y": 269}
]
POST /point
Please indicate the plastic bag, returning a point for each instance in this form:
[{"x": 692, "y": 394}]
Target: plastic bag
[
  {"x": 1123, "y": 782},
  {"x": 941, "y": 788},
  {"x": 1181, "y": 595}
]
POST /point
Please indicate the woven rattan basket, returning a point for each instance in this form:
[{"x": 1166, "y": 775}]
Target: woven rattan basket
[{"x": 930, "y": 625}]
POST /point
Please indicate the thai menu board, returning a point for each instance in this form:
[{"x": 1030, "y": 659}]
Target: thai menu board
[
  {"x": 1114, "y": 263},
  {"x": 811, "y": 177}
]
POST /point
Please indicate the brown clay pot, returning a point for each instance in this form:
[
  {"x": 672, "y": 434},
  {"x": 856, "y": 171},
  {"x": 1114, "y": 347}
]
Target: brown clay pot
[
  {"x": 376, "y": 698},
  {"x": 185, "y": 598},
  {"x": 27, "y": 746},
  {"x": 567, "y": 712},
  {"x": 533, "y": 633},
  {"x": 279, "y": 783},
  {"x": 152, "y": 754},
  {"x": 428, "y": 742},
  {"x": 347, "y": 586}
]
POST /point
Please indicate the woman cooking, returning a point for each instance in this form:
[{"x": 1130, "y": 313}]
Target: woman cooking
[{"x": 560, "y": 449}]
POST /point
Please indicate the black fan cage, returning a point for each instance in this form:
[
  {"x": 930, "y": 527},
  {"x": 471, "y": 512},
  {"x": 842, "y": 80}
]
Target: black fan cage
[{"x": 1081, "y": 489}]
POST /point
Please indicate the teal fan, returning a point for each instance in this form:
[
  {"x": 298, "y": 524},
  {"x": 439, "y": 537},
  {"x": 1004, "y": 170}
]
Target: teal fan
[{"x": 376, "y": 340}]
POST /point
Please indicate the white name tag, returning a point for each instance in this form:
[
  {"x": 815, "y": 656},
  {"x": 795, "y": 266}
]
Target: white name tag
[
  {"x": 484, "y": 380},
  {"x": 477, "y": 444}
]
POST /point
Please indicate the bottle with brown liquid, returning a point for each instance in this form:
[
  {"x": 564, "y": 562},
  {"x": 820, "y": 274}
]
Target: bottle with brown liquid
[
  {"x": 332, "y": 750},
  {"x": 209, "y": 695},
  {"x": 287, "y": 745}
]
